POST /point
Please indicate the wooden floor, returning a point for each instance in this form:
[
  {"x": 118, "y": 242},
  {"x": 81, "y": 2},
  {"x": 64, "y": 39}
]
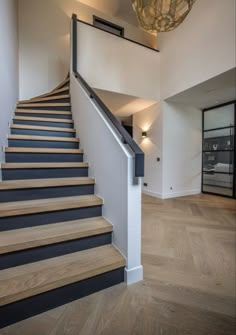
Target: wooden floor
[{"x": 189, "y": 286}]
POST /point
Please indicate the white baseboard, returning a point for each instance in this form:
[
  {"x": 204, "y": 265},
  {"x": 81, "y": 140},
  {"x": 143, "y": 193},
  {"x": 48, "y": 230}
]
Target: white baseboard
[
  {"x": 180, "y": 194},
  {"x": 133, "y": 275},
  {"x": 152, "y": 194},
  {"x": 172, "y": 195}
]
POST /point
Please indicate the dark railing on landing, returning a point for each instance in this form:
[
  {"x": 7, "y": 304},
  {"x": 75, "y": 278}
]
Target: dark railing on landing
[
  {"x": 118, "y": 36},
  {"x": 126, "y": 138}
]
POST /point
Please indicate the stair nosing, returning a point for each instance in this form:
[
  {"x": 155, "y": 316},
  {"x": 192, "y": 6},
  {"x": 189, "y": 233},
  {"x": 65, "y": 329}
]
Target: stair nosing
[
  {"x": 19, "y": 208},
  {"x": 42, "y": 138},
  {"x": 60, "y": 271},
  {"x": 41, "y": 119},
  {"x": 55, "y": 91},
  {"x": 28, "y": 238},
  {"x": 45, "y": 104},
  {"x": 39, "y": 165},
  {"x": 45, "y": 183},
  {"x": 42, "y": 111},
  {"x": 42, "y": 150},
  {"x": 43, "y": 128},
  {"x": 45, "y": 98}
]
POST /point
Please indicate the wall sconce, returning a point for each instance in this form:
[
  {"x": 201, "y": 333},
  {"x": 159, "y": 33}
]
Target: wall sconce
[{"x": 144, "y": 134}]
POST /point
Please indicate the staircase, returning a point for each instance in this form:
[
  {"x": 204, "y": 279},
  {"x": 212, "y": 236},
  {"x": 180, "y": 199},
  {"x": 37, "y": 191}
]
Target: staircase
[{"x": 55, "y": 246}]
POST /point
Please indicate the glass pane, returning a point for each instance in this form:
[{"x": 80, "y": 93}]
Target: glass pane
[
  {"x": 222, "y": 139},
  {"x": 219, "y": 117},
  {"x": 219, "y": 161},
  {"x": 218, "y": 190}
]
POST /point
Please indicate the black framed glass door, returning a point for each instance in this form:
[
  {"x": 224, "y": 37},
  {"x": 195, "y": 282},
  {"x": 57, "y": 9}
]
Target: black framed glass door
[{"x": 218, "y": 150}]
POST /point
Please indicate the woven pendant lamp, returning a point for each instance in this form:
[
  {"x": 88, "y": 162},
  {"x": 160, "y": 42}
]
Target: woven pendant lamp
[{"x": 161, "y": 15}]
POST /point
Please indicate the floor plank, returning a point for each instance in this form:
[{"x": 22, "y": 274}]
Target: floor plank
[{"x": 188, "y": 254}]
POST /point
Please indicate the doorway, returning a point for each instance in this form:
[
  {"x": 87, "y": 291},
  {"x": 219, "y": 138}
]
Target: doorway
[{"x": 218, "y": 150}]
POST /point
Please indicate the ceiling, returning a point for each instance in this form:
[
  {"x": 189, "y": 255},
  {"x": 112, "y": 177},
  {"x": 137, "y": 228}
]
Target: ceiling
[
  {"x": 121, "y": 9},
  {"x": 212, "y": 92},
  {"x": 123, "y": 105}
]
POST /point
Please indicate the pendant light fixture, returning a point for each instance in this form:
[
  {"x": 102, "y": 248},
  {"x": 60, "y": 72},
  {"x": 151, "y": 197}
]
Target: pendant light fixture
[{"x": 161, "y": 15}]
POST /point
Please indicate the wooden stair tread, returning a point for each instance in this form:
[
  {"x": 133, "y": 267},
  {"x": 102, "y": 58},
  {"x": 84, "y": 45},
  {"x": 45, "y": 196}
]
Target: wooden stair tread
[
  {"x": 55, "y": 91},
  {"x": 40, "y": 183},
  {"x": 48, "y": 205},
  {"x": 46, "y": 98},
  {"x": 41, "y": 119},
  {"x": 42, "y": 111},
  {"x": 45, "y": 104},
  {"x": 31, "y": 279},
  {"x": 63, "y": 89},
  {"x": 42, "y": 138},
  {"x": 27, "y": 238},
  {"x": 43, "y": 165},
  {"x": 43, "y": 150},
  {"x": 29, "y": 127}
]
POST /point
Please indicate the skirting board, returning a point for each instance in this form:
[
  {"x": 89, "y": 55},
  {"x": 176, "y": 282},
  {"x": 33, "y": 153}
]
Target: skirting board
[
  {"x": 152, "y": 194},
  {"x": 171, "y": 195},
  {"x": 133, "y": 275}
]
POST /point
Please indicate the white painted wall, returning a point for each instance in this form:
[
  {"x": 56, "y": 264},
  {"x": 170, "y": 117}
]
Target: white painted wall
[
  {"x": 8, "y": 66},
  {"x": 44, "y": 27},
  {"x": 174, "y": 134},
  {"x": 117, "y": 64},
  {"x": 151, "y": 121},
  {"x": 111, "y": 164},
  {"x": 202, "y": 47},
  {"x": 182, "y": 146}
]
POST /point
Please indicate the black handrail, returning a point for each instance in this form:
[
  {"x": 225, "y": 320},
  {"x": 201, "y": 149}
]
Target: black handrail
[
  {"x": 123, "y": 37},
  {"x": 126, "y": 138}
]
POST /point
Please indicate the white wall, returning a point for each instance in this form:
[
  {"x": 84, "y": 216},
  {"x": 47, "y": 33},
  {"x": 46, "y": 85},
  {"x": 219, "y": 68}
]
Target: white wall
[
  {"x": 174, "y": 134},
  {"x": 111, "y": 164},
  {"x": 202, "y": 47},
  {"x": 8, "y": 66},
  {"x": 117, "y": 64},
  {"x": 182, "y": 146},
  {"x": 150, "y": 120},
  {"x": 44, "y": 27}
]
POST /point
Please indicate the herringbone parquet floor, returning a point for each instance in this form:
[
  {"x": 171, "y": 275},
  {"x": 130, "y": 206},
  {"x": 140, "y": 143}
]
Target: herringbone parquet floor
[{"x": 189, "y": 287}]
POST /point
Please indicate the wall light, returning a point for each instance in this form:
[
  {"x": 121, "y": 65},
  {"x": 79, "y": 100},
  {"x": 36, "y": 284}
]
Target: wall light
[{"x": 144, "y": 134}]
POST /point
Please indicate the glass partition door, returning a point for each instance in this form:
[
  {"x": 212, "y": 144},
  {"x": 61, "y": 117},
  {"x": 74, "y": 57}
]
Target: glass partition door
[{"x": 218, "y": 150}]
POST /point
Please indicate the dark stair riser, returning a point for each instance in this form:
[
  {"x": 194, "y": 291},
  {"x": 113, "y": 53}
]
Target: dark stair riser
[
  {"x": 43, "y": 132},
  {"x": 52, "y": 250},
  {"x": 12, "y": 174},
  {"x": 61, "y": 93},
  {"x": 44, "y": 124},
  {"x": 42, "y": 144},
  {"x": 52, "y": 100},
  {"x": 46, "y": 107},
  {"x": 42, "y": 158},
  {"x": 29, "y": 307},
  {"x": 45, "y": 193},
  {"x": 64, "y": 85},
  {"x": 46, "y": 115},
  {"x": 39, "y": 219}
]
